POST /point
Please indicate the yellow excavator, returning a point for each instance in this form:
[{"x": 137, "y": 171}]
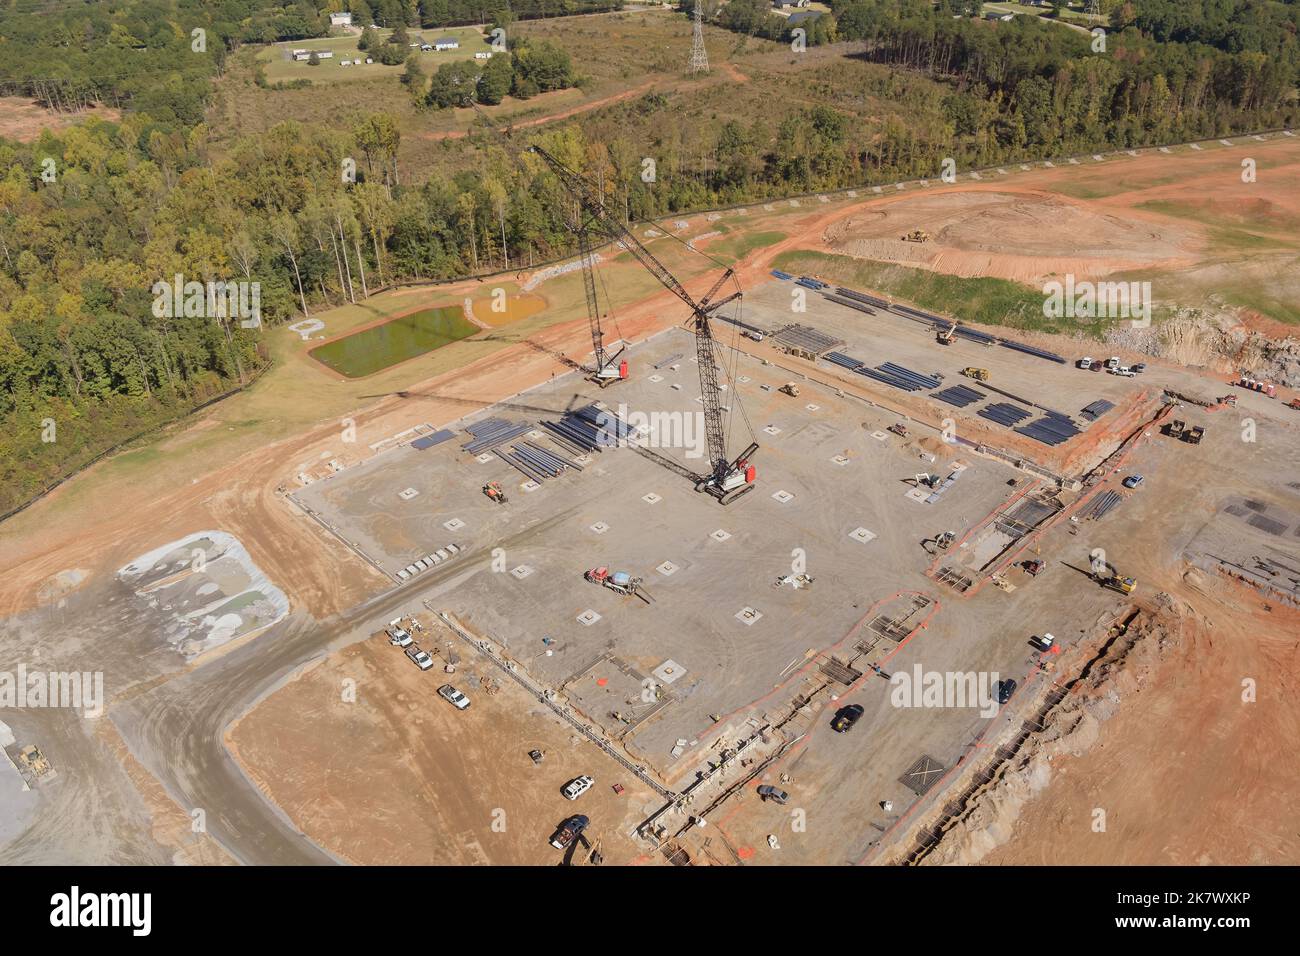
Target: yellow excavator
[
  {"x": 1109, "y": 577},
  {"x": 979, "y": 374},
  {"x": 917, "y": 235}
]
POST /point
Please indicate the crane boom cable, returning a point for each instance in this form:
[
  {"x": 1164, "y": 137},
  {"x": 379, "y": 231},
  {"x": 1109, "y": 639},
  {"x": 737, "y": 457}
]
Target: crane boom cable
[{"x": 591, "y": 200}]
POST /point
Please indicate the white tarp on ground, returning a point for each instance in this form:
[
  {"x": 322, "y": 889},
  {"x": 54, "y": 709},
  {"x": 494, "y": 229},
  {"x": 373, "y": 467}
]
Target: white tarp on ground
[{"x": 209, "y": 590}]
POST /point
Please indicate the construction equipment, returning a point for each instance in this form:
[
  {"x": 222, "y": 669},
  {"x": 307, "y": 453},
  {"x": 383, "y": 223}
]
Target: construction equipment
[
  {"x": 946, "y": 337},
  {"x": 1194, "y": 435},
  {"x": 899, "y": 429},
  {"x": 979, "y": 374},
  {"x": 1175, "y": 428},
  {"x": 1034, "y": 567},
  {"x": 31, "y": 759},
  {"x": 728, "y": 478},
  {"x": 797, "y": 581},
  {"x": 1109, "y": 577},
  {"x": 606, "y": 369},
  {"x": 789, "y": 388},
  {"x": 940, "y": 542},
  {"x": 493, "y": 490},
  {"x": 620, "y": 582},
  {"x": 917, "y": 235}
]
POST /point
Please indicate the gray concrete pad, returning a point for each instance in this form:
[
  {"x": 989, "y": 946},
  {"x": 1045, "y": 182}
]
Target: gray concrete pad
[{"x": 724, "y": 559}]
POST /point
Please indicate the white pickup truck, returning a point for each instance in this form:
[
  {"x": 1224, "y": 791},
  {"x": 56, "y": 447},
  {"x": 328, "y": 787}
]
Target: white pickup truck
[{"x": 420, "y": 658}]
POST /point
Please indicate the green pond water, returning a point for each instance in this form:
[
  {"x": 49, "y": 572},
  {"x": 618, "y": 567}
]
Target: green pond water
[{"x": 374, "y": 349}]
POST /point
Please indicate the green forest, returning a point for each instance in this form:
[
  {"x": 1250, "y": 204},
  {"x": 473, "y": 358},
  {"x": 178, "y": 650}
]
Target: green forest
[{"x": 92, "y": 216}]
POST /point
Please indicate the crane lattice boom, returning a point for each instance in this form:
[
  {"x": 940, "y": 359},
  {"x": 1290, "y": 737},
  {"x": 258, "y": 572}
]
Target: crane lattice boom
[{"x": 592, "y": 201}]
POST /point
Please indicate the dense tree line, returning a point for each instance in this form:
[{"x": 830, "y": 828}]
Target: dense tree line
[
  {"x": 755, "y": 18},
  {"x": 1234, "y": 26},
  {"x": 441, "y": 13},
  {"x": 1028, "y": 84},
  {"x": 525, "y": 69}
]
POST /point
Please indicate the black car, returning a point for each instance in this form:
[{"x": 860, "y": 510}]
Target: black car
[
  {"x": 846, "y": 717},
  {"x": 1005, "y": 689},
  {"x": 768, "y": 792}
]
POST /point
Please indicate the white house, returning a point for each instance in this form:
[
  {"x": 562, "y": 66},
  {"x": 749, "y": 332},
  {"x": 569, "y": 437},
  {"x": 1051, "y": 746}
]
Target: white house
[
  {"x": 340, "y": 19},
  {"x": 446, "y": 43}
]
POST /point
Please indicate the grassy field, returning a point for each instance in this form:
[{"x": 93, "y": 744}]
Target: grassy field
[
  {"x": 987, "y": 301},
  {"x": 397, "y": 340},
  {"x": 279, "y": 67},
  {"x": 634, "y": 84},
  {"x": 733, "y": 248}
]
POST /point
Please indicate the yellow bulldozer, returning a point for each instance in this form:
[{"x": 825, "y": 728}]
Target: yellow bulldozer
[
  {"x": 917, "y": 235},
  {"x": 979, "y": 374}
]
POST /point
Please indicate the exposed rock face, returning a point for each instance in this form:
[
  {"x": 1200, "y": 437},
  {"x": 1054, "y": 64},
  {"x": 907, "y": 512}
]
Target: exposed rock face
[{"x": 1220, "y": 341}]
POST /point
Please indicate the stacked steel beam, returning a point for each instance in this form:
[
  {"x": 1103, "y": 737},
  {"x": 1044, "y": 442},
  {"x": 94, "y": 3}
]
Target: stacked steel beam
[
  {"x": 896, "y": 375},
  {"x": 1096, "y": 409},
  {"x": 842, "y": 360},
  {"x": 1101, "y": 505},
  {"x": 491, "y": 432},
  {"x": 959, "y": 396},
  {"x": 1030, "y": 350},
  {"x": 1004, "y": 413},
  {"x": 1052, "y": 429},
  {"x": 589, "y": 429},
  {"x": 841, "y": 300},
  {"x": 863, "y": 297},
  {"x": 900, "y": 371}
]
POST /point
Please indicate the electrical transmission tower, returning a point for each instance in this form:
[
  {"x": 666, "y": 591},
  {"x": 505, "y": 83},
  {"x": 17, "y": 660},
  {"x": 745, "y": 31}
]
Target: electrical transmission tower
[
  {"x": 1094, "y": 9},
  {"x": 699, "y": 56}
]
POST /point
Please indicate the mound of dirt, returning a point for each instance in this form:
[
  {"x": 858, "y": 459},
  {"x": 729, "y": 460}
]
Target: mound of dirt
[{"x": 970, "y": 232}]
